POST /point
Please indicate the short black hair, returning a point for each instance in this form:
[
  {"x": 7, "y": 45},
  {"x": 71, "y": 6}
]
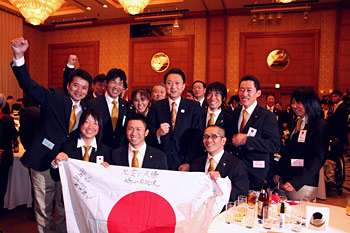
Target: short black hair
[
  {"x": 337, "y": 92},
  {"x": 234, "y": 98},
  {"x": 251, "y": 78},
  {"x": 189, "y": 91},
  {"x": 221, "y": 130},
  {"x": 99, "y": 78},
  {"x": 10, "y": 97},
  {"x": 140, "y": 117},
  {"x": 116, "y": 73},
  {"x": 267, "y": 96},
  {"x": 96, "y": 115},
  {"x": 199, "y": 81},
  {"x": 80, "y": 73},
  {"x": 308, "y": 97},
  {"x": 218, "y": 87},
  {"x": 175, "y": 71}
]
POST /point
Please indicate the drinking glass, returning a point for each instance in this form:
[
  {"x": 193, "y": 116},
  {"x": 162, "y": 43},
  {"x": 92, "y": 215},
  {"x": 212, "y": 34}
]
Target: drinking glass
[
  {"x": 230, "y": 211},
  {"x": 250, "y": 217},
  {"x": 348, "y": 205},
  {"x": 242, "y": 200},
  {"x": 252, "y": 196},
  {"x": 267, "y": 218},
  {"x": 296, "y": 218},
  {"x": 238, "y": 211}
]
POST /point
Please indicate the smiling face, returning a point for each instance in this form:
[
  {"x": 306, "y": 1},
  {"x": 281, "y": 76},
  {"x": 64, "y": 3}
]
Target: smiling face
[
  {"x": 115, "y": 87},
  {"x": 213, "y": 146},
  {"x": 136, "y": 133},
  {"x": 248, "y": 93},
  {"x": 214, "y": 99},
  {"x": 78, "y": 88},
  {"x": 89, "y": 129},
  {"x": 140, "y": 103},
  {"x": 174, "y": 86},
  {"x": 270, "y": 101},
  {"x": 298, "y": 108}
]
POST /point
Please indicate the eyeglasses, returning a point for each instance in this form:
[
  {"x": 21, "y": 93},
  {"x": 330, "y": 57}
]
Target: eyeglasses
[{"x": 212, "y": 136}]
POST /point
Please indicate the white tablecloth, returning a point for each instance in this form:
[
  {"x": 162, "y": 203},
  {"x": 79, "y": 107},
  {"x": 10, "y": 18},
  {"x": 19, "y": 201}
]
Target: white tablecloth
[
  {"x": 19, "y": 190},
  {"x": 339, "y": 223}
]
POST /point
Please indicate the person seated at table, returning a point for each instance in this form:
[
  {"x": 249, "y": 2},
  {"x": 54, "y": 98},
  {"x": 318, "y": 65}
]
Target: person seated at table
[
  {"x": 219, "y": 163},
  {"x": 137, "y": 153},
  {"x": 8, "y": 133},
  {"x": 140, "y": 101},
  {"x": 306, "y": 149},
  {"x": 87, "y": 146}
]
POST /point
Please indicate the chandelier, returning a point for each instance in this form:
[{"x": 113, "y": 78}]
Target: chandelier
[
  {"x": 284, "y": 1},
  {"x": 37, "y": 11},
  {"x": 134, "y": 7}
]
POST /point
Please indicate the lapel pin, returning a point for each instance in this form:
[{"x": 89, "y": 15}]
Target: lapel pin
[
  {"x": 150, "y": 156},
  {"x": 224, "y": 164},
  {"x": 182, "y": 110},
  {"x": 221, "y": 121}
]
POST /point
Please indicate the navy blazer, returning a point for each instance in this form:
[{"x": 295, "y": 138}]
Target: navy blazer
[
  {"x": 117, "y": 138},
  {"x": 181, "y": 144},
  {"x": 231, "y": 167},
  {"x": 71, "y": 149},
  {"x": 313, "y": 151},
  {"x": 56, "y": 108},
  {"x": 266, "y": 141},
  {"x": 154, "y": 158}
]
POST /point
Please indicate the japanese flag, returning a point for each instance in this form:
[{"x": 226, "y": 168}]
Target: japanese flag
[{"x": 130, "y": 200}]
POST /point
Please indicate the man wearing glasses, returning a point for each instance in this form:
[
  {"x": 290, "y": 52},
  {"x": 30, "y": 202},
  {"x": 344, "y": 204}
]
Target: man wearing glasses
[{"x": 219, "y": 163}]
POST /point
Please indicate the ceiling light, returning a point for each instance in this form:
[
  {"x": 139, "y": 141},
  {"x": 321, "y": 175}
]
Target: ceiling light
[
  {"x": 88, "y": 8},
  {"x": 134, "y": 7},
  {"x": 284, "y": 1},
  {"x": 270, "y": 16},
  {"x": 306, "y": 15},
  {"x": 254, "y": 18},
  {"x": 36, "y": 11},
  {"x": 279, "y": 15},
  {"x": 104, "y": 6},
  {"x": 261, "y": 16},
  {"x": 176, "y": 23}
]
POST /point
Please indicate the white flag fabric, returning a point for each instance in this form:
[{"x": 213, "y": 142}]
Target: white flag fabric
[{"x": 129, "y": 200}]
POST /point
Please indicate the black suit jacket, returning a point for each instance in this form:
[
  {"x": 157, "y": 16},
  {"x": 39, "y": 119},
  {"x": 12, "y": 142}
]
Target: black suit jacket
[
  {"x": 71, "y": 149},
  {"x": 229, "y": 166},
  {"x": 181, "y": 144},
  {"x": 313, "y": 151},
  {"x": 29, "y": 121},
  {"x": 56, "y": 108},
  {"x": 266, "y": 141},
  {"x": 224, "y": 120},
  {"x": 8, "y": 133},
  {"x": 338, "y": 124},
  {"x": 154, "y": 158},
  {"x": 117, "y": 138}
]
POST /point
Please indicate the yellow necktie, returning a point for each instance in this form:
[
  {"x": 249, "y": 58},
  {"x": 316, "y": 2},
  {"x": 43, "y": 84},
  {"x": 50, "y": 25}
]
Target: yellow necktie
[
  {"x": 135, "y": 161},
  {"x": 86, "y": 154},
  {"x": 72, "y": 119},
  {"x": 211, "y": 120},
  {"x": 243, "y": 120},
  {"x": 114, "y": 114},
  {"x": 298, "y": 126},
  {"x": 211, "y": 165},
  {"x": 173, "y": 114}
]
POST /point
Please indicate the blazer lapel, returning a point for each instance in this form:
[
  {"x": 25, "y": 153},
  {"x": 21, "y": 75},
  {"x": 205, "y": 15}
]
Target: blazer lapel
[
  {"x": 180, "y": 116},
  {"x": 68, "y": 109},
  {"x": 253, "y": 118},
  {"x": 220, "y": 120},
  {"x": 147, "y": 159},
  {"x": 223, "y": 167}
]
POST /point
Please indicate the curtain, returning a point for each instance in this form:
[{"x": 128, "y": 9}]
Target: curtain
[{"x": 10, "y": 27}]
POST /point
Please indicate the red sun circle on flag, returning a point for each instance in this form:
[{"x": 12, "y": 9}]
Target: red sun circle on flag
[{"x": 142, "y": 211}]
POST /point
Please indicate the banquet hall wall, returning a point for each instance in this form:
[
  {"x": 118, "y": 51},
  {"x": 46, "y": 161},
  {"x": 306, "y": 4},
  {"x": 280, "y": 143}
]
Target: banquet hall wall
[{"x": 114, "y": 45}]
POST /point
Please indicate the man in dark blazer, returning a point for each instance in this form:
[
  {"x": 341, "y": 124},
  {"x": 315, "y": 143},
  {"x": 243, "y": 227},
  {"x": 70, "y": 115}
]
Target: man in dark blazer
[
  {"x": 175, "y": 123},
  {"x": 219, "y": 163},
  {"x": 338, "y": 121},
  {"x": 60, "y": 113},
  {"x": 256, "y": 134},
  {"x": 146, "y": 156},
  {"x": 199, "y": 90},
  {"x": 113, "y": 136}
]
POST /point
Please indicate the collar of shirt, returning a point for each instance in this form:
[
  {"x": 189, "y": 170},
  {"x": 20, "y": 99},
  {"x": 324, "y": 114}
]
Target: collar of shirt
[
  {"x": 304, "y": 121},
  {"x": 78, "y": 108},
  {"x": 81, "y": 144},
  {"x": 177, "y": 101},
  {"x": 140, "y": 155},
  {"x": 201, "y": 101},
  {"x": 270, "y": 108},
  {"x": 216, "y": 160},
  {"x": 78, "y": 111},
  {"x": 216, "y": 114},
  {"x": 250, "y": 109},
  {"x": 109, "y": 102},
  {"x": 337, "y": 105}
]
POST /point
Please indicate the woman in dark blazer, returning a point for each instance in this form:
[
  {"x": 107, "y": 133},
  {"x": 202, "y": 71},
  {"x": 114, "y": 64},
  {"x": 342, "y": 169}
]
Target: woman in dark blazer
[
  {"x": 90, "y": 124},
  {"x": 306, "y": 148}
]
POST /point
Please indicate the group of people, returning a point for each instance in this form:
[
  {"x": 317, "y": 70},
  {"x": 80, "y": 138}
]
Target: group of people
[{"x": 163, "y": 130}]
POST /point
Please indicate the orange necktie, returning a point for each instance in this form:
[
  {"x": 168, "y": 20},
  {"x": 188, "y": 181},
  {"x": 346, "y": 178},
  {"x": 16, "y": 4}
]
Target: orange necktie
[
  {"x": 211, "y": 165},
  {"x": 173, "y": 114},
  {"x": 72, "y": 119},
  {"x": 86, "y": 154},
  {"x": 135, "y": 161},
  {"x": 243, "y": 120},
  {"x": 114, "y": 114},
  {"x": 298, "y": 126},
  {"x": 211, "y": 120}
]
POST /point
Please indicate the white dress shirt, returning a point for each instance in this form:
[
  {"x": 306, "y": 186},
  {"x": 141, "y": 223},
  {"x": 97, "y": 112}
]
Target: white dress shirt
[
  {"x": 216, "y": 160},
  {"x": 216, "y": 115},
  {"x": 250, "y": 111},
  {"x": 140, "y": 155}
]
